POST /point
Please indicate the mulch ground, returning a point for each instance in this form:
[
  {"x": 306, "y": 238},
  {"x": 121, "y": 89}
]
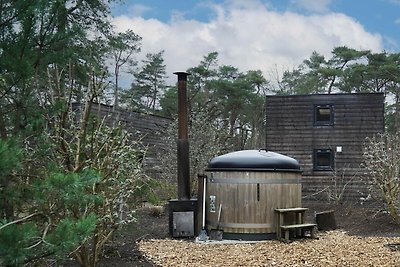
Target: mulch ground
[
  {"x": 365, "y": 237},
  {"x": 334, "y": 248}
]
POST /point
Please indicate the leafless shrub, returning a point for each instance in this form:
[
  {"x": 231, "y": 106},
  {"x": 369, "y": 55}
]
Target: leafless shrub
[
  {"x": 382, "y": 160},
  {"x": 340, "y": 180},
  {"x": 206, "y": 140}
]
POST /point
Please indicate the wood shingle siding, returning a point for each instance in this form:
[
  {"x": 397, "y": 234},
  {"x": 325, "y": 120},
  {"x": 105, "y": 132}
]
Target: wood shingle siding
[{"x": 291, "y": 131}]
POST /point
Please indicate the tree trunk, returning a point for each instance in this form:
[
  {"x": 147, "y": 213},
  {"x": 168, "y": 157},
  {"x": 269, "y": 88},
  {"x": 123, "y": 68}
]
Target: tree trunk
[
  {"x": 397, "y": 114},
  {"x": 116, "y": 89},
  {"x": 3, "y": 131},
  {"x": 6, "y": 207},
  {"x": 154, "y": 95}
]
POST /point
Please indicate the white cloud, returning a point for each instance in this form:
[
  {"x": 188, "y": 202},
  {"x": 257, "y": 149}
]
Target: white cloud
[{"x": 249, "y": 37}]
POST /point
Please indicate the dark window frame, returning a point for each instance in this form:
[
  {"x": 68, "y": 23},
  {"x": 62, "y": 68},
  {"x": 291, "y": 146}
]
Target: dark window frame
[
  {"x": 321, "y": 153},
  {"x": 323, "y": 122}
]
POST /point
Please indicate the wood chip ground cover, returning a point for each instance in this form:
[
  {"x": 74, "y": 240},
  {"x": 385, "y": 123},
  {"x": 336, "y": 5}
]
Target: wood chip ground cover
[{"x": 334, "y": 248}]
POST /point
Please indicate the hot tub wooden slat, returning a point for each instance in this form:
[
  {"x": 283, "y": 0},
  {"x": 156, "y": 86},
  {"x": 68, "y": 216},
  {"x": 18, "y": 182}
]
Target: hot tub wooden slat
[{"x": 250, "y": 198}]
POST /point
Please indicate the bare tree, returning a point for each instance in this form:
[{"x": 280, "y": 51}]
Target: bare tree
[{"x": 382, "y": 160}]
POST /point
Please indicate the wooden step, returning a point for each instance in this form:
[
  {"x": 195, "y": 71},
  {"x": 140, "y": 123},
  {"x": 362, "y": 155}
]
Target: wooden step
[
  {"x": 285, "y": 210},
  {"x": 302, "y": 227},
  {"x": 298, "y": 226}
]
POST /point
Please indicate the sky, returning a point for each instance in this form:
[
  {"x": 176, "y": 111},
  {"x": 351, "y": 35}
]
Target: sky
[{"x": 267, "y": 35}]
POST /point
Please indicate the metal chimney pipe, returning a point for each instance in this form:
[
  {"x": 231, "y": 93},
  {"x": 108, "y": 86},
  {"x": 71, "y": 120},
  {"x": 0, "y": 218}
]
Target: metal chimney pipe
[{"x": 183, "y": 142}]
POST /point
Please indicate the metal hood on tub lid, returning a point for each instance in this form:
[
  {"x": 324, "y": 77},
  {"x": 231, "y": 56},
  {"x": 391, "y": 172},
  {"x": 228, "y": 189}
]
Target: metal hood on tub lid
[{"x": 254, "y": 160}]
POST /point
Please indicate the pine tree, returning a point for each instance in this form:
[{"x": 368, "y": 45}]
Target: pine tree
[{"x": 149, "y": 85}]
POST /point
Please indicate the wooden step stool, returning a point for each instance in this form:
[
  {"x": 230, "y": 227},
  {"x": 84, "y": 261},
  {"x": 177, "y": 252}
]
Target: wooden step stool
[{"x": 299, "y": 224}]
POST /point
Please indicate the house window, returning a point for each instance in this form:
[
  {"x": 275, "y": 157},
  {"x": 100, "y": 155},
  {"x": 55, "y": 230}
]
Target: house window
[
  {"x": 323, "y": 160},
  {"x": 323, "y": 115}
]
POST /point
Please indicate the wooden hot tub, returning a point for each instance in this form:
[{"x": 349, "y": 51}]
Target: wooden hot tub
[{"x": 244, "y": 188}]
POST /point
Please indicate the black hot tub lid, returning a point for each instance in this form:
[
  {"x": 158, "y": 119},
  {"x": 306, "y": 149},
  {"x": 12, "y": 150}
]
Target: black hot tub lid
[{"x": 254, "y": 160}]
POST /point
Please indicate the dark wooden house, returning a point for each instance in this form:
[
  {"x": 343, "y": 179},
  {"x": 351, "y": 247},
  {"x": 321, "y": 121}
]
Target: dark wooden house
[
  {"x": 325, "y": 133},
  {"x": 146, "y": 129}
]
